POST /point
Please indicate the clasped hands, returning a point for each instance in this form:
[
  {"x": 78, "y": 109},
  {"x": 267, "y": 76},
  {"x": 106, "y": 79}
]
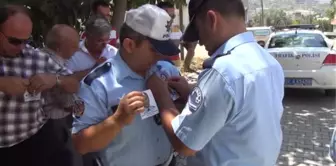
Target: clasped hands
[{"x": 15, "y": 86}]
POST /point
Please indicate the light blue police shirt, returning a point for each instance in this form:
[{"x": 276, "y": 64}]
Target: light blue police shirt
[
  {"x": 233, "y": 114},
  {"x": 142, "y": 143},
  {"x": 166, "y": 69}
]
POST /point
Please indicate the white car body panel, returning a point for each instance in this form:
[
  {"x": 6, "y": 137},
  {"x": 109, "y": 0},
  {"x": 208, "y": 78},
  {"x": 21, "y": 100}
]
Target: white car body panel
[{"x": 303, "y": 66}]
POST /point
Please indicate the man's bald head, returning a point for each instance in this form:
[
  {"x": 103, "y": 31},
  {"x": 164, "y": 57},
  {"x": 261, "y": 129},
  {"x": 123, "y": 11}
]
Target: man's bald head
[
  {"x": 59, "y": 33},
  {"x": 63, "y": 39}
]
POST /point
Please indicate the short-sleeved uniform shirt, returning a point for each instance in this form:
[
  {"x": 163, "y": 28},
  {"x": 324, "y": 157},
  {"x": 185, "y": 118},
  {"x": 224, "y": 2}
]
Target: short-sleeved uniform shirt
[
  {"x": 82, "y": 60},
  {"x": 233, "y": 114},
  {"x": 167, "y": 69},
  {"x": 142, "y": 143}
]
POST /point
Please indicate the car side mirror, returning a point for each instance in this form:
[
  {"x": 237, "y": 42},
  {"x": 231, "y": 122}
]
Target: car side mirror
[
  {"x": 261, "y": 43},
  {"x": 332, "y": 45}
]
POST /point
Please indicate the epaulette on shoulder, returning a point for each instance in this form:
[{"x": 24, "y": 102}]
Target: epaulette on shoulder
[
  {"x": 99, "y": 71},
  {"x": 208, "y": 63},
  {"x": 169, "y": 61}
]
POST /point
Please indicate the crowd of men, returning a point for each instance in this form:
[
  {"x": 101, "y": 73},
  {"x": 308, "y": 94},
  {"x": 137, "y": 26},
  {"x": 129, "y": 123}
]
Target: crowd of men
[{"x": 95, "y": 85}]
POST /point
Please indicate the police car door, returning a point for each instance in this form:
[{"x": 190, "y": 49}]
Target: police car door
[{"x": 299, "y": 51}]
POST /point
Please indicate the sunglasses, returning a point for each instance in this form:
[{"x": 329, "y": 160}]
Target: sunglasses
[{"x": 15, "y": 41}]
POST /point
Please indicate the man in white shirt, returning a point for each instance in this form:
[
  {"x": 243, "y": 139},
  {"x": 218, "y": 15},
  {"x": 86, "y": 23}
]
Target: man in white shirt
[{"x": 95, "y": 48}]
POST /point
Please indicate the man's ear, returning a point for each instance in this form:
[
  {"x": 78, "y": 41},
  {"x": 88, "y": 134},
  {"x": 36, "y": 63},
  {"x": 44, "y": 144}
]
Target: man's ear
[
  {"x": 129, "y": 45},
  {"x": 212, "y": 19}
]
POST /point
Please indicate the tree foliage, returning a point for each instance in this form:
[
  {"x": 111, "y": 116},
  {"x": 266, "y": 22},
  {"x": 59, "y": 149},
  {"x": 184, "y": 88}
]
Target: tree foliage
[
  {"x": 275, "y": 18},
  {"x": 332, "y": 10},
  {"x": 46, "y": 13},
  {"x": 272, "y": 17}
]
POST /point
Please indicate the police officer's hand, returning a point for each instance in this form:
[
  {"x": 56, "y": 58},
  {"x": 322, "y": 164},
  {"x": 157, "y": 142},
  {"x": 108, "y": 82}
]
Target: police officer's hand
[
  {"x": 181, "y": 85},
  {"x": 13, "y": 86},
  {"x": 158, "y": 87},
  {"x": 129, "y": 106}
]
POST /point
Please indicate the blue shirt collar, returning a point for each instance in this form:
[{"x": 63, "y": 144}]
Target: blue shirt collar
[
  {"x": 233, "y": 42},
  {"x": 122, "y": 71}
]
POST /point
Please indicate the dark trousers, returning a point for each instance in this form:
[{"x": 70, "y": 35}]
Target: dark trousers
[
  {"x": 89, "y": 159},
  {"x": 50, "y": 146}
]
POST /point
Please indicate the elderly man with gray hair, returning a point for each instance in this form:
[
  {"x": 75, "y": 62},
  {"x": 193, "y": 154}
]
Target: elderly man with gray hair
[
  {"x": 94, "y": 49},
  {"x": 61, "y": 43}
]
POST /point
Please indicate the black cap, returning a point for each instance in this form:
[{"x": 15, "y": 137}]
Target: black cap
[
  {"x": 165, "y": 47},
  {"x": 191, "y": 32}
]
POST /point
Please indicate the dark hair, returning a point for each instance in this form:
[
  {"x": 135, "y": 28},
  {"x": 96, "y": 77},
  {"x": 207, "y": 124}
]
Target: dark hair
[
  {"x": 10, "y": 10},
  {"x": 225, "y": 7},
  {"x": 97, "y": 3},
  {"x": 165, "y": 4},
  {"x": 97, "y": 26},
  {"x": 128, "y": 32}
]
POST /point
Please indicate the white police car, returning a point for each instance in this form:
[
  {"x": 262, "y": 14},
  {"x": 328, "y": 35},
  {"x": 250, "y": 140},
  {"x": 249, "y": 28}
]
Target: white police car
[{"x": 307, "y": 57}]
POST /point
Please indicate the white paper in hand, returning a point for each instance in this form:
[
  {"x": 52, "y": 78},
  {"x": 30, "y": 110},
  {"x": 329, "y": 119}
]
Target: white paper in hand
[
  {"x": 151, "y": 107},
  {"x": 31, "y": 97}
]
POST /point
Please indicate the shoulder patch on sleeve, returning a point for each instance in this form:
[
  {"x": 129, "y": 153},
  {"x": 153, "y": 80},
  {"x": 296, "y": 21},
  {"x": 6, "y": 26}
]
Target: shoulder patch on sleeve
[
  {"x": 97, "y": 73},
  {"x": 78, "y": 108},
  {"x": 196, "y": 99}
]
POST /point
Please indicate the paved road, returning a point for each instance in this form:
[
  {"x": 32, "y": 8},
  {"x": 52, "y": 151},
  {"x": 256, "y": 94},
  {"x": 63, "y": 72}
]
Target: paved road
[{"x": 307, "y": 123}]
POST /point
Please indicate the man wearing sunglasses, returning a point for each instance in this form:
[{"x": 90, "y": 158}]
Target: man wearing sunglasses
[
  {"x": 27, "y": 135},
  {"x": 233, "y": 115}
]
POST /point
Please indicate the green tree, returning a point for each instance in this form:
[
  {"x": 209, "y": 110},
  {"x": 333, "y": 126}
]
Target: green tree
[
  {"x": 46, "y": 13},
  {"x": 273, "y": 17},
  {"x": 324, "y": 25},
  {"x": 330, "y": 12}
]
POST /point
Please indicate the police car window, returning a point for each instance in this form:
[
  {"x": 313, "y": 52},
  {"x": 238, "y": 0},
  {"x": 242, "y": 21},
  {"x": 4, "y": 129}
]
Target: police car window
[
  {"x": 297, "y": 40},
  {"x": 261, "y": 32}
]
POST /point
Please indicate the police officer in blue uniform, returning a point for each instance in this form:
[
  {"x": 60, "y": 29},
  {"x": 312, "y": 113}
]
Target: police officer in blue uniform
[
  {"x": 110, "y": 124},
  {"x": 232, "y": 116}
]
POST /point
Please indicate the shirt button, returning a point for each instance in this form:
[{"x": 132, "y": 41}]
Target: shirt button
[{"x": 157, "y": 139}]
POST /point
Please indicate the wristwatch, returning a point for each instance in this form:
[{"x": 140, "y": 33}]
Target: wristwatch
[{"x": 58, "y": 80}]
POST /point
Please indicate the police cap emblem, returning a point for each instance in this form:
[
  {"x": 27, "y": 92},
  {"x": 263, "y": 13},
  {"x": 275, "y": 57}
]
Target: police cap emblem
[{"x": 195, "y": 99}]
